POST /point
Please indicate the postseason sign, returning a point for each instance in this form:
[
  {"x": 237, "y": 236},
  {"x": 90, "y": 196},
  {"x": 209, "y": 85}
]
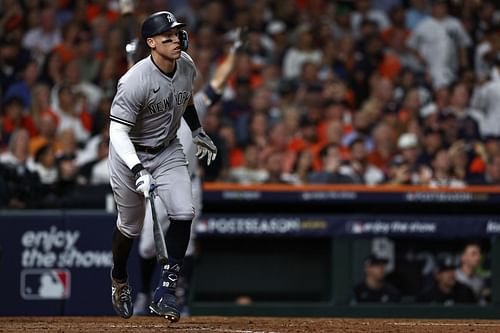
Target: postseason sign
[{"x": 311, "y": 225}]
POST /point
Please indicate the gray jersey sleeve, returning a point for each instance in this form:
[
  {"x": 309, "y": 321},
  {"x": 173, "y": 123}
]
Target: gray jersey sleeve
[{"x": 128, "y": 100}]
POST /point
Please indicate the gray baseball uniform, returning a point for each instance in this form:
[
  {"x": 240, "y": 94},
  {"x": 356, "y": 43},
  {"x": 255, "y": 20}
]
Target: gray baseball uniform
[
  {"x": 152, "y": 104},
  {"x": 146, "y": 243}
]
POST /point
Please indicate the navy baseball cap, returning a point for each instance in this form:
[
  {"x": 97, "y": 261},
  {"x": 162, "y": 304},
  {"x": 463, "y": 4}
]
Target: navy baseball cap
[
  {"x": 158, "y": 23},
  {"x": 445, "y": 263},
  {"x": 374, "y": 259}
]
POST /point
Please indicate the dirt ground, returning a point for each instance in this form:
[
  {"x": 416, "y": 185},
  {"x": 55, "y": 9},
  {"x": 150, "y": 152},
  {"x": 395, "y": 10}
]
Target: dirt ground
[{"x": 240, "y": 325}]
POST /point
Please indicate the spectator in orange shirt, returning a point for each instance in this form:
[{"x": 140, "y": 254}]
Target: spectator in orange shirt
[
  {"x": 67, "y": 49},
  {"x": 236, "y": 155},
  {"x": 47, "y": 133},
  {"x": 100, "y": 8}
]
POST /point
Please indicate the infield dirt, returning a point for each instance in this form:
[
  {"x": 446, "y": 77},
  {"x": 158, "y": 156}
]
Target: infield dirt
[{"x": 240, "y": 325}]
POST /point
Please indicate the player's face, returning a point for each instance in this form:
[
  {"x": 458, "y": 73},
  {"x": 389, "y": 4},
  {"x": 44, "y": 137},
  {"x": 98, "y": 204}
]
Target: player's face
[{"x": 167, "y": 44}]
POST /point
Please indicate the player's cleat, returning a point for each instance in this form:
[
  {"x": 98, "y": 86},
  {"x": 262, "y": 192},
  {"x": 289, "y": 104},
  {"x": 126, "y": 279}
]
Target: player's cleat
[
  {"x": 141, "y": 304},
  {"x": 164, "y": 301},
  {"x": 166, "y": 307},
  {"x": 121, "y": 298}
]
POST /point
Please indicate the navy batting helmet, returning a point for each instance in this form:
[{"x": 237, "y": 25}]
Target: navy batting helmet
[{"x": 158, "y": 23}]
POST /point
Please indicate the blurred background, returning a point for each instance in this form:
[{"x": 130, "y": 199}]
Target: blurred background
[{"x": 358, "y": 164}]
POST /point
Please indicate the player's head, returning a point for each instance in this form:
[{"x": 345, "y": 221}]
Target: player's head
[{"x": 164, "y": 24}]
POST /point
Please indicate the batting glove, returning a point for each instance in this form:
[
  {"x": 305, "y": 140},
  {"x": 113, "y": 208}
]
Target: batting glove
[
  {"x": 144, "y": 182},
  {"x": 239, "y": 36},
  {"x": 204, "y": 145}
]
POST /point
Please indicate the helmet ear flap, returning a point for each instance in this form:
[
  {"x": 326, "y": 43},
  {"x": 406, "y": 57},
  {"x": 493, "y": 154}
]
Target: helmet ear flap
[{"x": 184, "y": 39}]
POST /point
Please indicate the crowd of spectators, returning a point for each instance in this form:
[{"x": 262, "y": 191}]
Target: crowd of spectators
[{"x": 363, "y": 92}]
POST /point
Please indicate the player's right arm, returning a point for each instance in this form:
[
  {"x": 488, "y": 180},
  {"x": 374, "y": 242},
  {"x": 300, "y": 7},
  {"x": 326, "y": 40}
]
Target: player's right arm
[{"x": 124, "y": 110}]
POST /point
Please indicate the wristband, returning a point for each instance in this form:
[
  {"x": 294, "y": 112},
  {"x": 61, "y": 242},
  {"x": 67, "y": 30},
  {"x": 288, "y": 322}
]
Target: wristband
[{"x": 137, "y": 168}]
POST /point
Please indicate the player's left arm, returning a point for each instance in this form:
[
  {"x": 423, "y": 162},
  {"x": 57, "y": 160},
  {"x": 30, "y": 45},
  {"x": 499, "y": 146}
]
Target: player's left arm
[
  {"x": 212, "y": 92},
  {"x": 204, "y": 145}
]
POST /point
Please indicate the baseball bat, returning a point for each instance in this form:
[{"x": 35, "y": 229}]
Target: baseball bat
[{"x": 161, "y": 247}]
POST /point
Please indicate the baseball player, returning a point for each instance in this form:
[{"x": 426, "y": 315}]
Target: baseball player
[
  {"x": 146, "y": 159},
  {"x": 203, "y": 100}
]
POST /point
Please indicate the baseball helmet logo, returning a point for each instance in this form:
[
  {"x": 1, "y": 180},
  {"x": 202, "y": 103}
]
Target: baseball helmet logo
[{"x": 158, "y": 23}]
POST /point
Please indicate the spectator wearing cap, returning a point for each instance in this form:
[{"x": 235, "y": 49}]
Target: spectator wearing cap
[
  {"x": 341, "y": 25},
  {"x": 429, "y": 116},
  {"x": 432, "y": 141},
  {"x": 445, "y": 288},
  {"x": 278, "y": 41},
  {"x": 409, "y": 148},
  {"x": 374, "y": 288},
  {"x": 399, "y": 172},
  {"x": 432, "y": 43},
  {"x": 358, "y": 166}
]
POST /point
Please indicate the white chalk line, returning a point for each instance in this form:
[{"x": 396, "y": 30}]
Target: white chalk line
[
  {"x": 174, "y": 328},
  {"x": 194, "y": 329},
  {"x": 444, "y": 324}
]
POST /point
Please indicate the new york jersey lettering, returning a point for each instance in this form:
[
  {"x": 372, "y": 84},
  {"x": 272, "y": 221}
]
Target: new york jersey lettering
[
  {"x": 160, "y": 106},
  {"x": 182, "y": 97}
]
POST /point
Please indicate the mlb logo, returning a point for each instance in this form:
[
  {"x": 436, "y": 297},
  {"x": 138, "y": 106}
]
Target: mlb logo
[
  {"x": 202, "y": 226},
  {"x": 357, "y": 228},
  {"x": 45, "y": 284}
]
